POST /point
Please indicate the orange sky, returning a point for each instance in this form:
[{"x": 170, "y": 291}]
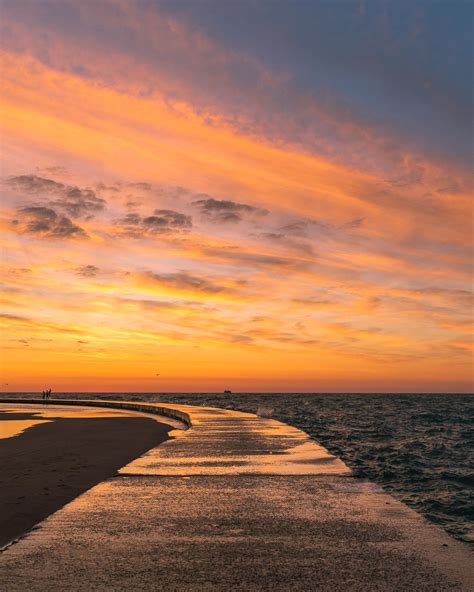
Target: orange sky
[{"x": 151, "y": 243}]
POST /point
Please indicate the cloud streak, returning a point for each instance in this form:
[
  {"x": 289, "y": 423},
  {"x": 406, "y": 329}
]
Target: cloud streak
[{"x": 185, "y": 281}]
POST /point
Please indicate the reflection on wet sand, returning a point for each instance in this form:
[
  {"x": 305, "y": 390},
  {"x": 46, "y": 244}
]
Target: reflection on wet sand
[
  {"x": 15, "y": 420},
  {"x": 14, "y": 427}
]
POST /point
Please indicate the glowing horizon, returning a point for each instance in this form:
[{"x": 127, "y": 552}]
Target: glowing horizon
[{"x": 184, "y": 209}]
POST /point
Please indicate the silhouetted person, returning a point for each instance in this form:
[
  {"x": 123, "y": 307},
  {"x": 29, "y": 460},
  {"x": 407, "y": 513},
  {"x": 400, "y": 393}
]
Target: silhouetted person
[{"x": 46, "y": 395}]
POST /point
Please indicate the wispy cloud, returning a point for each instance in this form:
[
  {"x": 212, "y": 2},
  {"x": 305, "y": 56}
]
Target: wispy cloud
[
  {"x": 87, "y": 271},
  {"x": 183, "y": 280},
  {"x": 38, "y": 325}
]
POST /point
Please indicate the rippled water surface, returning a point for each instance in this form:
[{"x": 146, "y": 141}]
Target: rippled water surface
[{"x": 419, "y": 447}]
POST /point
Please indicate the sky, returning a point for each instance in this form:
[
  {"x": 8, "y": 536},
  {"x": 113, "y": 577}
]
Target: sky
[{"x": 254, "y": 195}]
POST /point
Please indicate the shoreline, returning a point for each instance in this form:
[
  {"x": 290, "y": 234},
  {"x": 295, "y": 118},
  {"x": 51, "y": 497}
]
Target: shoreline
[
  {"x": 263, "y": 501},
  {"x": 48, "y": 465},
  {"x": 401, "y": 484}
]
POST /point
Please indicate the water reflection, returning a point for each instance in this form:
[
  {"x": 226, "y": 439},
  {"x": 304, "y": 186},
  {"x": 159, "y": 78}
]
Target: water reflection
[
  {"x": 13, "y": 427},
  {"x": 14, "y": 420}
]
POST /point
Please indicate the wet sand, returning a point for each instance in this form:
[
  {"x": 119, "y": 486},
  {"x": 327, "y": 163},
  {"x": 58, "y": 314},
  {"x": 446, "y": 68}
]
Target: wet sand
[{"x": 50, "y": 464}]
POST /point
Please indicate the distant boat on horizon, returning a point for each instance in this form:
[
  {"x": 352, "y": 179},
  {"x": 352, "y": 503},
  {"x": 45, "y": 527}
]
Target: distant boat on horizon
[{"x": 227, "y": 392}]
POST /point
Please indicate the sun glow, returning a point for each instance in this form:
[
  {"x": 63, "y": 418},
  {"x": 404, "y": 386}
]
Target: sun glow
[{"x": 146, "y": 235}]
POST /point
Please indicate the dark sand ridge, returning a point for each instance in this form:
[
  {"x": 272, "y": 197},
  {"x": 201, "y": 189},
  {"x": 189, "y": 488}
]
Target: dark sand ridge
[{"x": 51, "y": 463}]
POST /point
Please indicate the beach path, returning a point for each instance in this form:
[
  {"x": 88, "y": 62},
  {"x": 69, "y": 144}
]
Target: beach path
[{"x": 236, "y": 502}]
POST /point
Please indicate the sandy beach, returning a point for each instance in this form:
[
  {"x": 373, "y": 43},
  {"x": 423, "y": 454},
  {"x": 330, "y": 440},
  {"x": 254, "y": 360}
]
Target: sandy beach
[{"x": 50, "y": 464}]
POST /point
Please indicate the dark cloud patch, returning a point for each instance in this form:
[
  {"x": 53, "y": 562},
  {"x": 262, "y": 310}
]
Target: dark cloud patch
[
  {"x": 103, "y": 187},
  {"x": 275, "y": 236},
  {"x": 280, "y": 337},
  {"x": 131, "y": 220},
  {"x": 45, "y": 325},
  {"x": 314, "y": 301},
  {"x": 449, "y": 185},
  {"x": 224, "y": 210},
  {"x": 87, "y": 271},
  {"x": 352, "y": 333},
  {"x": 72, "y": 200},
  {"x": 243, "y": 339},
  {"x": 186, "y": 281},
  {"x": 131, "y": 204},
  {"x": 161, "y": 221},
  {"x": 140, "y": 185},
  {"x": 10, "y": 317},
  {"x": 301, "y": 227},
  {"x": 408, "y": 178},
  {"x": 353, "y": 224},
  {"x": 53, "y": 170},
  {"x": 310, "y": 227},
  {"x": 79, "y": 202},
  {"x": 264, "y": 259},
  {"x": 168, "y": 218},
  {"x": 259, "y": 319},
  {"x": 288, "y": 242},
  {"x": 457, "y": 297},
  {"x": 33, "y": 184},
  {"x": 257, "y": 259},
  {"x": 156, "y": 305},
  {"x": 9, "y": 289},
  {"x": 18, "y": 271},
  {"x": 295, "y": 228},
  {"x": 46, "y": 222}
]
